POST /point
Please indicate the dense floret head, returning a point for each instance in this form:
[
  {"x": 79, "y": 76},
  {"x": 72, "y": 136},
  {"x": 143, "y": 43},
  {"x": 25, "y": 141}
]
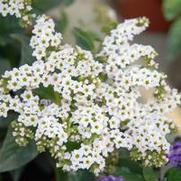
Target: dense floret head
[{"x": 95, "y": 107}]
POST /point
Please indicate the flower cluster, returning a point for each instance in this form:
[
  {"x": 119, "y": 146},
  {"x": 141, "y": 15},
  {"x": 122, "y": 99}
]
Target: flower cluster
[
  {"x": 45, "y": 38},
  {"x": 94, "y": 104},
  {"x": 19, "y": 8},
  {"x": 110, "y": 178},
  {"x": 175, "y": 154}
]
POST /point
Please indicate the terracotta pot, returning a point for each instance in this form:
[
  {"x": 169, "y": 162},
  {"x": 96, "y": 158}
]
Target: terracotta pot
[{"x": 152, "y": 9}]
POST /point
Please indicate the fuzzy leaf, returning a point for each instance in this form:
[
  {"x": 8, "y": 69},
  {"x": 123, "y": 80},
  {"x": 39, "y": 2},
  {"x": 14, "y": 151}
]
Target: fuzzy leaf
[
  {"x": 13, "y": 156},
  {"x": 128, "y": 175},
  {"x": 26, "y": 50},
  {"x": 4, "y": 122},
  {"x": 150, "y": 174},
  {"x": 85, "y": 39},
  {"x": 174, "y": 174}
]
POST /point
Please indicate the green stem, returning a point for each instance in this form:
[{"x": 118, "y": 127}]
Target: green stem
[{"x": 163, "y": 171}]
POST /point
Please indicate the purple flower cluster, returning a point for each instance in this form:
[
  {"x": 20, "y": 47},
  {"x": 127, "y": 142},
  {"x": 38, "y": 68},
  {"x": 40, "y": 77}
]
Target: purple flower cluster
[
  {"x": 110, "y": 178},
  {"x": 175, "y": 154}
]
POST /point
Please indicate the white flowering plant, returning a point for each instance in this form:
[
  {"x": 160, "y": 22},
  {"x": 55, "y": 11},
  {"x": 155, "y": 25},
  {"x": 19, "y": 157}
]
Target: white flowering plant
[{"x": 83, "y": 107}]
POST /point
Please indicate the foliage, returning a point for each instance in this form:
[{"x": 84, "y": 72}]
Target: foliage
[
  {"x": 173, "y": 174},
  {"x": 171, "y": 8},
  {"x": 44, "y": 5},
  {"x": 13, "y": 156},
  {"x": 172, "y": 11},
  {"x": 86, "y": 39},
  {"x": 62, "y": 22}
]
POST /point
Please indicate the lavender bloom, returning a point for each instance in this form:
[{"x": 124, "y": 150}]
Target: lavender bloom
[
  {"x": 175, "y": 154},
  {"x": 110, "y": 178}
]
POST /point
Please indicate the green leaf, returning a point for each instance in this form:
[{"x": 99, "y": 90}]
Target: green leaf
[
  {"x": 174, "y": 40},
  {"x": 62, "y": 22},
  {"x": 128, "y": 175},
  {"x": 5, "y": 65},
  {"x": 150, "y": 174},
  {"x": 4, "y": 122},
  {"x": 133, "y": 166},
  {"x": 13, "y": 156},
  {"x": 125, "y": 161},
  {"x": 16, "y": 174},
  {"x": 45, "y": 162},
  {"x": 26, "y": 50},
  {"x": 48, "y": 93},
  {"x": 68, "y": 2},
  {"x": 14, "y": 57},
  {"x": 44, "y": 5},
  {"x": 174, "y": 174},
  {"x": 108, "y": 27},
  {"x": 127, "y": 168},
  {"x": 80, "y": 175},
  {"x": 8, "y": 26},
  {"x": 85, "y": 39},
  {"x": 171, "y": 8}
]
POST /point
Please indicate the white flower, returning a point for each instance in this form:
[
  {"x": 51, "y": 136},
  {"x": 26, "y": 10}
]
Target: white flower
[
  {"x": 94, "y": 107},
  {"x": 19, "y": 8}
]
